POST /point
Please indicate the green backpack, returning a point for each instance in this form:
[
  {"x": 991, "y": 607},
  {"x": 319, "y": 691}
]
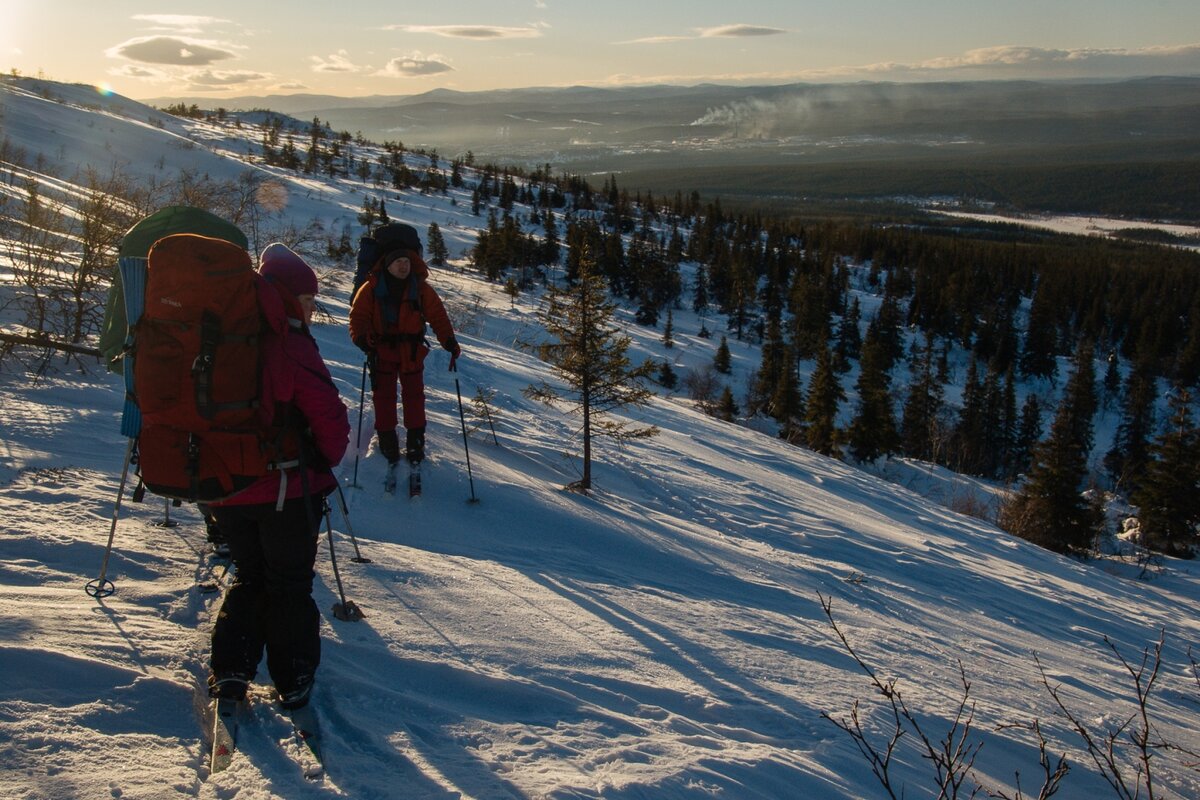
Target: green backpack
[{"x": 136, "y": 244}]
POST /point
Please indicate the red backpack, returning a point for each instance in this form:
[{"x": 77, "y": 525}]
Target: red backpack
[{"x": 198, "y": 371}]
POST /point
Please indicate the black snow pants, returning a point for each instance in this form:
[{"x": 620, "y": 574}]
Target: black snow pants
[{"x": 270, "y": 602}]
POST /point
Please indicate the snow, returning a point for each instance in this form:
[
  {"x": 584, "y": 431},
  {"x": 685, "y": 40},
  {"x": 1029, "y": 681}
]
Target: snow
[
  {"x": 1082, "y": 225},
  {"x": 662, "y": 637}
]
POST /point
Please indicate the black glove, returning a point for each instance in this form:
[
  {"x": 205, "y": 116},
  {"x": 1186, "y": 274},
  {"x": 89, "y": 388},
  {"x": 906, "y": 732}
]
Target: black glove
[{"x": 455, "y": 351}]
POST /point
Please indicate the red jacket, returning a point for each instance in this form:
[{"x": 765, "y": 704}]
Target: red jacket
[
  {"x": 395, "y": 326},
  {"x": 293, "y": 371}
]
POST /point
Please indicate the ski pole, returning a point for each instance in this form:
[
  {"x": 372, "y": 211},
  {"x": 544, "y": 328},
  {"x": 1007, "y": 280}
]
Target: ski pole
[
  {"x": 362, "y": 393},
  {"x": 102, "y": 587},
  {"x": 358, "y": 557},
  {"x": 467, "y": 448},
  {"x": 347, "y": 610}
]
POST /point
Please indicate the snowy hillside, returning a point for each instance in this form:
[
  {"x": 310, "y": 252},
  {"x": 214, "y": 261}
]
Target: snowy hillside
[{"x": 663, "y": 637}]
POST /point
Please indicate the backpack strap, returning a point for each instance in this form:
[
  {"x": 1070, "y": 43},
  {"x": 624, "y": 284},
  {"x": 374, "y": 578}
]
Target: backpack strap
[{"x": 202, "y": 367}]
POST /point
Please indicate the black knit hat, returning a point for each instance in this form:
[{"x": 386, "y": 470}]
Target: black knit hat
[{"x": 392, "y": 255}]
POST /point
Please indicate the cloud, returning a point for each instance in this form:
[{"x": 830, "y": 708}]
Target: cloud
[
  {"x": 339, "y": 62},
  {"x": 471, "y": 31},
  {"x": 737, "y": 31},
  {"x": 214, "y": 79},
  {"x": 721, "y": 31},
  {"x": 174, "y": 50},
  {"x": 1035, "y": 62},
  {"x": 657, "y": 40},
  {"x": 415, "y": 65},
  {"x": 180, "y": 23},
  {"x": 138, "y": 72}
]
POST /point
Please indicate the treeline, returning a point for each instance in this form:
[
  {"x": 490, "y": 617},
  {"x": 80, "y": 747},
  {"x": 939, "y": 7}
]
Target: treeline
[{"x": 1162, "y": 187}]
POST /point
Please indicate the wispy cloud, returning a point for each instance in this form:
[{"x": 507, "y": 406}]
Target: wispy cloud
[
  {"x": 220, "y": 79},
  {"x": 737, "y": 31},
  {"x": 415, "y": 65},
  {"x": 338, "y": 62},
  {"x": 180, "y": 23},
  {"x": 1018, "y": 60},
  {"x": 482, "y": 32},
  {"x": 172, "y": 50},
  {"x": 139, "y": 72}
]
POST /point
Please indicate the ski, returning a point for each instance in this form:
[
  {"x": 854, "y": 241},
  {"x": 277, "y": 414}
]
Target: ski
[
  {"x": 414, "y": 481},
  {"x": 389, "y": 479},
  {"x": 308, "y": 734},
  {"x": 224, "y": 733}
]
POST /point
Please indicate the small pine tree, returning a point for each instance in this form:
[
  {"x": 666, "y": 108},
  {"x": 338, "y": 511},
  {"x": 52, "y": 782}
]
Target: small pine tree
[
  {"x": 722, "y": 361},
  {"x": 666, "y": 376},
  {"x": 437, "y": 246},
  {"x": 821, "y": 406},
  {"x": 1168, "y": 496},
  {"x": 727, "y": 408},
  {"x": 873, "y": 432},
  {"x": 1029, "y": 431},
  {"x": 921, "y": 420},
  {"x": 589, "y": 354},
  {"x": 1050, "y": 509},
  {"x": 369, "y": 213},
  {"x": 1126, "y": 461}
]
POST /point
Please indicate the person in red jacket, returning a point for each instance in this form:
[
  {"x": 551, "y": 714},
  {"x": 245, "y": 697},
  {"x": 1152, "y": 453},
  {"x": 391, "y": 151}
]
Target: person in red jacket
[
  {"x": 387, "y": 322},
  {"x": 272, "y": 526}
]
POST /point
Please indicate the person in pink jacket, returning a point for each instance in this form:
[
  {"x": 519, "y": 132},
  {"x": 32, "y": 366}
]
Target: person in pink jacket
[{"x": 273, "y": 525}]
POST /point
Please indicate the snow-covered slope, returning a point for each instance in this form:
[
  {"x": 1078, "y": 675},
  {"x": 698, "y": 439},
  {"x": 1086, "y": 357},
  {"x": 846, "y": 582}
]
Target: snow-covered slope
[{"x": 662, "y": 637}]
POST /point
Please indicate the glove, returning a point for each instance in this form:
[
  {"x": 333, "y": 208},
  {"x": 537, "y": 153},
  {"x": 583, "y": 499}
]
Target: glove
[
  {"x": 455, "y": 351},
  {"x": 366, "y": 343}
]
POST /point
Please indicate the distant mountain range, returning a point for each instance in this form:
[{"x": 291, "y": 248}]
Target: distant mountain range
[{"x": 588, "y": 124}]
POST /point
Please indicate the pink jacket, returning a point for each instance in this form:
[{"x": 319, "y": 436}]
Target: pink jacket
[{"x": 293, "y": 371}]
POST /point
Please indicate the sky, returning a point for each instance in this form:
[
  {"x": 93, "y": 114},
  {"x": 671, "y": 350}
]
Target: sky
[
  {"x": 660, "y": 638},
  {"x": 223, "y": 48}
]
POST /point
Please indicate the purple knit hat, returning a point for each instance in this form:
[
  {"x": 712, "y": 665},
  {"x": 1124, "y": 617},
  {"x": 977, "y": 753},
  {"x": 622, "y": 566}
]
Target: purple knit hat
[{"x": 282, "y": 266}]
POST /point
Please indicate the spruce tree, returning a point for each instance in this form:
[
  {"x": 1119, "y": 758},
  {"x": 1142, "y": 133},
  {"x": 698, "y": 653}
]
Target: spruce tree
[
  {"x": 727, "y": 407},
  {"x": 1037, "y": 356},
  {"x": 1168, "y": 496},
  {"x": 666, "y": 376},
  {"x": 770, "y": 370},
  {"x": 872, "y": 432},
  {"x": 787, "y": 403},
  {"x": 1126, "y": 461},
  {"x": 849, "y": 338},
  {"x": 437, "y": 246},
  {"x": 700, "y": 298},
  {"x": 1029, "y": 432},
  {"x": 722, "y": 361},
  {"x": 821, "y": 406},
  {"x": 589, "y": 353},
  {"x": 1050, "y": 509},
  {"x": 920, "y": 425},
  {"x": 369, "y": 212}
]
